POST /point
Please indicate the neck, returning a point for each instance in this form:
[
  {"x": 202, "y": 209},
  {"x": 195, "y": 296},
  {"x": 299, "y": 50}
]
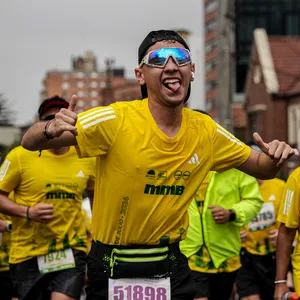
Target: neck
[
  {"x": 59, "y": 151},
  {"x": 167, "y": 118}
]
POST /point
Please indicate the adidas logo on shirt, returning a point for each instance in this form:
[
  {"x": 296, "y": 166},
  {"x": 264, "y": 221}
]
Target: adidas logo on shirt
[
  {"x": 80, "y": 174},
  {"x": 194, "y": 160},
  {"x": 272, "y": 197}
]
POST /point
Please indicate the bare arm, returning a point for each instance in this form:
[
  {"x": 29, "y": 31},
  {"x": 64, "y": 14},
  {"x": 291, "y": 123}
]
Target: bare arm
[
  {"x": 62, "y": 129},
  {"x": 10, "y": 208},
  {"x": 42, "y": 212},
  {"x": 283, "y": 254},
  {"x": 266, "y": 164},
  {"x": 90, "y": 194},
  {"x": 260, "y": 165}
]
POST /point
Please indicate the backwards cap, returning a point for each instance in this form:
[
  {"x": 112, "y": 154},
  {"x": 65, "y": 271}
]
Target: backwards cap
[
  {"x": 49, "y": 103},
  {"x": 154, "y": 37}
]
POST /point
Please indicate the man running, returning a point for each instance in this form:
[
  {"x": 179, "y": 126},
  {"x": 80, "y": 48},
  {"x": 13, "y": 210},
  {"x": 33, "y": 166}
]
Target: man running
[
  {"x": 152, "y": 155},
  {"x": 49, "y": 240}
]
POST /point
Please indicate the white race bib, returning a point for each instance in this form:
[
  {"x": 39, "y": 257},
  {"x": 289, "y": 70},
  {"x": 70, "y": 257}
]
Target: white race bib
[
  {"x": 265, "y": 219},
  {"x": 139, "y": 289},
  {"x": 55, "y": 261}
]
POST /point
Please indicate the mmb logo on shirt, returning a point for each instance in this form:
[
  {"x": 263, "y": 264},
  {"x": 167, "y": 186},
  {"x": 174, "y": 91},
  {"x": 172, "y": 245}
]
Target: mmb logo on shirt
[{"x": 163, "y": 189}]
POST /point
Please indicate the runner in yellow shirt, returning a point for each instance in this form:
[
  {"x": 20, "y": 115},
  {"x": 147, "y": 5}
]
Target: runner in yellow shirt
[
  {"x": 255, "y": 280},
  {"x": 49, "y": 240},
  {"x": 152, "y": 156},
  {"x": 6, "y": 285},
  {"x": 288, "y": 216}
]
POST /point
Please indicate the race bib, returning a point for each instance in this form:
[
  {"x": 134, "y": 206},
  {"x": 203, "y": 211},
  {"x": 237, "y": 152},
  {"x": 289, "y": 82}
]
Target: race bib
[
  {"x": 139, "y": 289},
  {"x": 265, "y": 219},
  {"x": 56, "y": 261}
]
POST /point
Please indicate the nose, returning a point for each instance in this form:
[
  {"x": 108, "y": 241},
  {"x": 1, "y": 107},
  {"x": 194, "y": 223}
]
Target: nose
[{"x": 171, "y": 64}]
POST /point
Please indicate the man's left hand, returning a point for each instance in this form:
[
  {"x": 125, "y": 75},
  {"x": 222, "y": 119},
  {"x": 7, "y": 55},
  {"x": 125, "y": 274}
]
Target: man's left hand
[
  {"x": 276, "y": 150},
  {"x": 220, "y": 214}
]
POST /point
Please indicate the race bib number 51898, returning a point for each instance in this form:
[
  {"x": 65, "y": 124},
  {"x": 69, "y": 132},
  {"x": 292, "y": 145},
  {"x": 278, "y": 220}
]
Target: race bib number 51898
[{"x": 139, "y": 289}]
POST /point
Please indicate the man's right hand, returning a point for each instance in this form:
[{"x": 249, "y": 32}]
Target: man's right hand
[
  {"x": 280, "y": 290},
  {"x": 243, "y": 235},
  {"x": 42, "y": 212},
  {"x": 65, "y": 120}
]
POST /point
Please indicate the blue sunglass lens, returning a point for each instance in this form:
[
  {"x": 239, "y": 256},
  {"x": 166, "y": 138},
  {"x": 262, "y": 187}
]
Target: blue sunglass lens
[{"x": 159, "y": 57}]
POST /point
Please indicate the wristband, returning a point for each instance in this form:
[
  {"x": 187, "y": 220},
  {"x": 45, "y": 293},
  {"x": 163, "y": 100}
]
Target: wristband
[
  {"x": 45, "y": 133},
  {"x": 27, "y": 213},
  {"x": 280, "y": 281},
  {"x": 9, "y": 227}
]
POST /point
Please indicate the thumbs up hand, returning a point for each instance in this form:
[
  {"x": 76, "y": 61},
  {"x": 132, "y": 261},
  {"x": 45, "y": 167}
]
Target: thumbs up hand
[
  {"x": 65, "y": 120},
  {"x": 276, "y": 150}
]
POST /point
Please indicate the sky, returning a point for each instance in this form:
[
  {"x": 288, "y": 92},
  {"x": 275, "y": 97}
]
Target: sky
[{"x": 37, "y": 36}]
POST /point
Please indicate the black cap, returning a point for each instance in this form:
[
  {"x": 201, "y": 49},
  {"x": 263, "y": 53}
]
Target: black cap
[
  {"x": 48, "y": 103},
  {"x": 154, "y": 37}
]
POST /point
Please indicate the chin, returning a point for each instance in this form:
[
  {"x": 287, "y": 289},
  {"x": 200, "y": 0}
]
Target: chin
[{"x": 175, "y": 101}]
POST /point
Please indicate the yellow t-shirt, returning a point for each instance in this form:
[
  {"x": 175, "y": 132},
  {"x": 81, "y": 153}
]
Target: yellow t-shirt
[
  {"x": 258, "y": 242},
  {"x": 55, "y": 179},
  {"x": 4, "y": 245},
  {"x": 289, "y": 214},
  {"x": 147, "y": 180}
]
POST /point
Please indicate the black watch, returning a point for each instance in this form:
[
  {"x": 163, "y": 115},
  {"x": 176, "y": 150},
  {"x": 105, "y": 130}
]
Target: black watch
[{"x": 232, "y": 215}]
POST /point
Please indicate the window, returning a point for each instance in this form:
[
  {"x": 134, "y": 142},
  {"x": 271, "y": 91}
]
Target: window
[
  {"x": 94, "y": 103},
  {"x": 65, "y": 85},
  {"x": 94, "y": 75},
  {"x": 210, "y": 84},
  {"x": 210, "y": 26},
  {"x": 80, "y": 84},
  {"x": 102, "y": 84},
  {"x": 211, "y": 6},
  {"x": 94, "y": 84},
  {"x": 79, "y": 75},
  {"x": 210, "y": 66},
  {"x": 94, "y": 93},
  {"x": 80, "y": 103}
]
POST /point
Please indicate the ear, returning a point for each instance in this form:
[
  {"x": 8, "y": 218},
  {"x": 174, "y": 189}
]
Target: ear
[
  {"x": 139, "y": 76},
  {"x": 192, "y": 72}
]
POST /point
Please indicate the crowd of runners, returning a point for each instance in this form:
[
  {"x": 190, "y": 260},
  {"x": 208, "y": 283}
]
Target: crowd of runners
[{"x": 181, "y": 209}]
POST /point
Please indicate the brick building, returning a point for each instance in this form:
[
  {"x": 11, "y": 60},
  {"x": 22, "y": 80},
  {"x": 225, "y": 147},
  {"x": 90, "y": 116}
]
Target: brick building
[
  {"x": 273, "y": 88},
  {"x": 229, "y": 26},
  {"x": 94, "y": 87}
]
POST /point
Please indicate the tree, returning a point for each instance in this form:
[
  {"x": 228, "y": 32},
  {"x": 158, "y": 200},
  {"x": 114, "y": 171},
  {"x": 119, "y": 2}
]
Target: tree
[{"x": 6, "y": 114}]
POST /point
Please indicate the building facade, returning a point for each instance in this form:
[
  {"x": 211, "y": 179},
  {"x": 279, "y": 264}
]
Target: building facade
[
  {"x": 229, "y": 26},
  {"x": 94, "y": 87}
]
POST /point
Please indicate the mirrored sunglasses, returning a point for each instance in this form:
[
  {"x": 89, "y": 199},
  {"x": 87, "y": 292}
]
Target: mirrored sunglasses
[{"x": 159, "y": 58}]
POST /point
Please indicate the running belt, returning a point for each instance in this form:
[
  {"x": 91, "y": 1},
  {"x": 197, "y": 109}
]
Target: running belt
[{"x": 136, "y": 261}]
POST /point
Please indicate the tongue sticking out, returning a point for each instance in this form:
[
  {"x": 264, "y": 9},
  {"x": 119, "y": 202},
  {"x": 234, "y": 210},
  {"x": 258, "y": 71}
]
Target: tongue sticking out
[{"x": 174, "y": 86}]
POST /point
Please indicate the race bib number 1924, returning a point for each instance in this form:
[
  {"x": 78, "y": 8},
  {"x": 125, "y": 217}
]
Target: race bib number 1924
[{"x": 56, "y": 261}]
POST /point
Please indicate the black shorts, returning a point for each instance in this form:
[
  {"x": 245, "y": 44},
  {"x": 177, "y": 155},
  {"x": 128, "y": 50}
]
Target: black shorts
[
  {"x": 6, "y": 286},
  {"x": 31, "y": 284},
  {"x": 257, "y": 275},
  {"x": 214, "y": 286},
  {"x": 182, "y": 284}
]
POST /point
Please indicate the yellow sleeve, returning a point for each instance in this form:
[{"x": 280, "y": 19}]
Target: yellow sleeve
[
  {"x": 10, "y": 172},
  {"x": 97, "y": 129},
  {"x": 289, "y": 206},
  {"x": 228, "y": 151}
]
